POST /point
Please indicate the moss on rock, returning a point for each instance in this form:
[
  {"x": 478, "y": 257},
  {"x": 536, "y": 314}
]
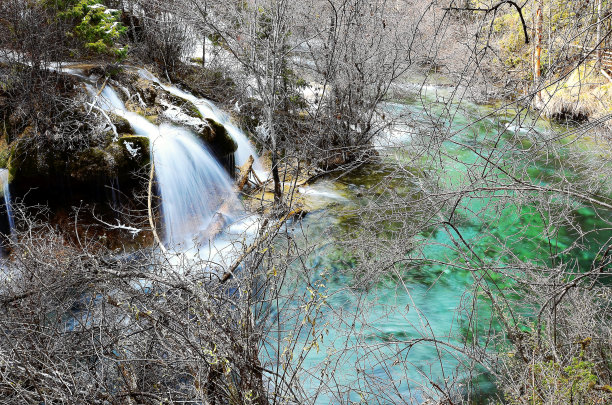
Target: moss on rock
[
  {"x": 147, "y": 89},
  {"x": 5, "y": 153},
  {"x": 26, "y": 162},
  {"x": 192, "y": 110},
  {"x": 91, "y": 164},
  {"x": 121, "y": 124},
  {"x": 133, "y": 153},
  {"x": 118, "y": 159}
]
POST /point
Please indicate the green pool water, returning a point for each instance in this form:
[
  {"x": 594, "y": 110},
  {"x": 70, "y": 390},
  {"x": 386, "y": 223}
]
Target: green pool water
[{"x": 368, "y": 338}]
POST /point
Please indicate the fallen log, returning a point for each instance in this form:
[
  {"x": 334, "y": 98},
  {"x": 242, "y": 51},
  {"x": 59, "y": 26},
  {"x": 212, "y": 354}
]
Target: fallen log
[
  {"x": 217, "y": 223},
  {"x": 256, "y": 177},
  {"x": 245, "y": 169}
]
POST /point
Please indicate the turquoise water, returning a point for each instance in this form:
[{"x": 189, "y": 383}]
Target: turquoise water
[{"x": 384, "y": 276}]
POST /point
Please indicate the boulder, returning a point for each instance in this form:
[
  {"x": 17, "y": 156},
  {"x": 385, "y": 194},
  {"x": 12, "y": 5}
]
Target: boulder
[
  {"x": 28, "y": 164},
  {"x": 213, "y": 134},
  {"x": 217, "y": 138},
  {"x": 131, "y": 153},
  {"x": 176, "y": 115},
  {"x": 147, "y": 90},
  {"x": 122, "y": 125},
  {"x": 91, "y": 164}
]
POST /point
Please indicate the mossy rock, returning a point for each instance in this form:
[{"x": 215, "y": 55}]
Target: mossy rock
[
  {"x": 5, "y": 130},
  {"x": 121, "y": 124},
  {"x": 134, "y": 106},
  {"x": 217, "y": 138},
  {"x": 131, "y": 153},
  {"x": 91, "y": 164},
  {"x": 110, "y": 70},
  {"x": 121, "y": 158},
  {"x": 138, "y": 140},
  {"x": 192, "y": 110},
  {"x": 5, "y": 153},
  {"x": 25, "y": 161},
  {"x": 147, "y": 89}
]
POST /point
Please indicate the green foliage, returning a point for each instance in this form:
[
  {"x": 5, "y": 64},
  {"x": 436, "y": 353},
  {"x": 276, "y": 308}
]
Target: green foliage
[
  {"x": 515, "y": 54},
  {"x": 264, "y": 25},
  {"x": 573, "y": 383},
  {"x": 96, "y": 25}
]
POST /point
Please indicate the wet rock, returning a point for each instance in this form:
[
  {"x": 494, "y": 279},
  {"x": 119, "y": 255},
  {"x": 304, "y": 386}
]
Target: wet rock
[
  {"x": 216, "y": 137},
  {"x": 29, "y": 164},
  {"x": 28, "y": 161},
  {"x": 186, "y": 114},
  {"x": 147, "y": 90},
  {"x": 133, "y": 154},
  {"x": 176, "y": 115},
  {"x": 5, "y": 152},
  {"x": 91, "y": 164},
  {"x": 122, "y": 125}
]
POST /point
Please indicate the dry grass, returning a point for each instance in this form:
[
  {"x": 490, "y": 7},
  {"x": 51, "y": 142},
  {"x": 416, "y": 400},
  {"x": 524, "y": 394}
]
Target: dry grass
[{"x": 585, "y": 95}]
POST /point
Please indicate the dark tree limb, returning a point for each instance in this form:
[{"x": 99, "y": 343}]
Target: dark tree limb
[{"x": 494, "y": 8}]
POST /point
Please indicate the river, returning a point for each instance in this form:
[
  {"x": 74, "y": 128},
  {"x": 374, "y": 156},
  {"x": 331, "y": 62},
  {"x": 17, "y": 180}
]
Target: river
[{"x": 387, "y": 300}]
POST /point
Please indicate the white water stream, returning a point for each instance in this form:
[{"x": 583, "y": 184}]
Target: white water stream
[
  {"x": 4, "y": 179},
  {"x": 193, "y": 186}
]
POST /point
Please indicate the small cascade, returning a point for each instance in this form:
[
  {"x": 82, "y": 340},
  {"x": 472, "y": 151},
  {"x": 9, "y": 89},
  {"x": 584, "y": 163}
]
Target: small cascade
[
  {"x": 109, "y": 101},
  {"x": 4, "y": 179},
  {"x": 115, "y": 194},
  {"x": 194, "y": 188},
  {"x": 209, "y": 110}
]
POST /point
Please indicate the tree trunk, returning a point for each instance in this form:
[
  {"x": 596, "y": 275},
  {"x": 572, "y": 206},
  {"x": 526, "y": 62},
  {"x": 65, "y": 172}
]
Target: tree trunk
[
  {"x": 275, "y": 176},
  {"x": 598, "y": 39},
  {"x": 204, "y": 50},
  {"x": 278, "y": 194},
  {"x": 538, "y": 51}
]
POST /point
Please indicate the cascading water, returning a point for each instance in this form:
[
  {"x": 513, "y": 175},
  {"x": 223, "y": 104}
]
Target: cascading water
[
  {"x": 193, "y": 186},
  {"x": 209, "y": 110},
  {"x": 4, "y": 179}
]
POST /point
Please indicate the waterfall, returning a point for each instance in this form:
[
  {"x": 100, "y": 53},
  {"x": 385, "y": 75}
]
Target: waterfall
[
  {"x": 4, "y": 179},
  {"x": 209, "y": 110},
  {"x": 193, "y": 187}
]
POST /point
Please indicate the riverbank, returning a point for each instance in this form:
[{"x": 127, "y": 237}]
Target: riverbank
[{"x": 583, "y": 95}]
